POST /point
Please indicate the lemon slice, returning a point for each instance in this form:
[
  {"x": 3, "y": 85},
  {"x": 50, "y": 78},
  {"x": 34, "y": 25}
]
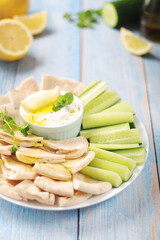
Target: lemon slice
[
  {"x": 40, "y": 100},
  {"x": 35, "y": 22},
  {"x": 15, "y": 40},
  {"x": 134, "y": 44}
]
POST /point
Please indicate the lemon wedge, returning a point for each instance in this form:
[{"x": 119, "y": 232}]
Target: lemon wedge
[
  {"x": 15, "y": 40},
  {"x": 134, "y": 44},
  {"x": 41, "y": 99},
  {"x": 36, "y": 22},
  {"x": 9, "y": 8}
]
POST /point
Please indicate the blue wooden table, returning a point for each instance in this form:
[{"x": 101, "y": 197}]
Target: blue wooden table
[{"x": 85, "y": 55}]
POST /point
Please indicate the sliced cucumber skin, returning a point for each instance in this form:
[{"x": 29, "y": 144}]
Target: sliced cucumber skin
[
  {"x": 121, "y": 107},
  {"x": 101, "y": 102},
  {"x": 124, "y": 136},
  {"x": 102, "y": 175},
  {"x": 91, "y": 85},
  {"x": 91, "y": 132},
  {"x": 114, "y": 157},
  {"x": 92, "y": 93},
  {"x": 110, "y": 146},
  {"x": 126, "y": 11},
  {"x": 137, "y": 154},
  {"x": 106, "y": 119},
  {"x": 122, "y": 170}
]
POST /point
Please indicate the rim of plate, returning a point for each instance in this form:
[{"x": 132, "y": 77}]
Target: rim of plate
[{"x": 95, "y": 199}]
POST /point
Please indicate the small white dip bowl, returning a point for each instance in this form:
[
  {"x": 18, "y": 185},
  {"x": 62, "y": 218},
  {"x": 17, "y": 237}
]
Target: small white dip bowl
[{"x": 68, "y": 130}]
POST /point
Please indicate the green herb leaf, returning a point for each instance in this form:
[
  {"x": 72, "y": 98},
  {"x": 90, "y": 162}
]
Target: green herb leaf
[
  {"x": 63, "y": 100},
  {"x": 12, "y": 126},
  {"x": 14, "y": 149},
  {"x": 68, "y": 17},
  {"x": 84, "y": 19}
]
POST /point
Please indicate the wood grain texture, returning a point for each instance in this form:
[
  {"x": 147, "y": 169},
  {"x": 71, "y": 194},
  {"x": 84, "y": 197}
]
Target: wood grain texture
[
  {"x": 56, "y": 51},
  {"x": 65, "y": 50},
  {"x": 134, "y": 213}
]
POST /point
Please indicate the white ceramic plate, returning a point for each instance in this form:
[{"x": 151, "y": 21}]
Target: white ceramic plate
[{"x": 95, "y": 199}]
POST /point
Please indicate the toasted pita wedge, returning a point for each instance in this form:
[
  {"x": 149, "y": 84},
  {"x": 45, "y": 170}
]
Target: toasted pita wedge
[
  {"x": 8, "y": 190},
  {"x": 6, "y": 149},
  {"x": 77, "y": 198},
  {"x": 20, "y": 140},
  {"x": 89, "y": 185},
  {"x": 28, "y": 84},
  {"x": 65, "y": 84},
  {"x": 28, "y": 190},
  {"x": 72, "y": 148},
  {"x": 16, "y": 96},
  {"x": 57, "y": 187},
  {"x": 12, "y": 112},
  {"x": 33, "y": 155},
  {"x": 54, "y": 171},
  {"x": 4, "y": 99},
  {"x": 15, "y": 170},
  {"x": 79, "y": 163}
]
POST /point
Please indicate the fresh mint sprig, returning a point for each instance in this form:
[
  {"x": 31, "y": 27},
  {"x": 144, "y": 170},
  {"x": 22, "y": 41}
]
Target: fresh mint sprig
[
  {"x": 63, "y": 100},
  {"x": 84, "y": 19},
  {"x": 10, "y": 125}
]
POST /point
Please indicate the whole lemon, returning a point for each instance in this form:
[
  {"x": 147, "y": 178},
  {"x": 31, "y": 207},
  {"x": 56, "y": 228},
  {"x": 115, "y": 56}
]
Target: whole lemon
[{"x": 9, "y": 8}]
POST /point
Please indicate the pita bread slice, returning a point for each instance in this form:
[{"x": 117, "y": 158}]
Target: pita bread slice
[
  {"x": 6, "y": 149},
  {"x": 11, "y": 112},
  {"x": 88, "y": 185},
  {"x": 28, "y": 84},
  {"x": 65, "y": 84},
  {"x": 33, "y": 155},
  {"x": 20, "y": 140},
  {"x": 57, "y": 187},
  {"x": 16, "y": 96},
  {"x": 4, "y": 99},
  {"x": 8, "y": 190},
  {"x": 15, "y": 170},
  {"x": 72, "y": 148},
  {"x": 79, "y": 163},
  {"x": 54, "y": 171},
  {"x": 77, "y": 198},
  {"x": 27, "y": 189}
]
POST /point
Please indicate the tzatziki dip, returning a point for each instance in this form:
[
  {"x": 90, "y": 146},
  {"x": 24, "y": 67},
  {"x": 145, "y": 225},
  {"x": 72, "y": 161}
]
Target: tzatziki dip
[{"x": 48, "y": 117}]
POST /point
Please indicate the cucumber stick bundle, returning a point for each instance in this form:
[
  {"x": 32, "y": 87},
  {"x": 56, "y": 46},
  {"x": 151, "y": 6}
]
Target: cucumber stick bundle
[
  {"x": 106, "y": 119},
  {"x": 114, "y": 157},
  {"x": 102, "y": 175},
  {"x": 124, "y": 136},
  {"x": 122, "y": 170},
  {"x": 121, "y": 12},
  {"x": 94, "y": 131}
]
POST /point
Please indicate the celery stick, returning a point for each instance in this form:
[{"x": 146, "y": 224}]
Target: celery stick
[
  {"x": 122, "y": 170},
  {"x": 105, "y": 119},
  {"x": 124, "y": 136},
  {"x": 91, "y": 132},
  {"x": 102, "y": 175},
  {"x": 92, "y": 93},
  {"x": 91, "y": 85},
  {"x": 114, "y": 146},
  {"x": 137, "y": 154},
  {"x": 101, "y": 102},
  {"x": 121, "y": 107},
  {"x": 113, "y": 157}
]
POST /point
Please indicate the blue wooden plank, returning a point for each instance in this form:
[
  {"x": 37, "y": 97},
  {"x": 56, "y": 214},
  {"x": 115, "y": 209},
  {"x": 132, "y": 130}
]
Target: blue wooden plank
[
  {"x": 19, "y": 223},
  {"x": 152, "y": 71},
  {"x": 7, "y": 76},
  {"x": 56, "y": 51},
  {"x": 134, "y": 213}
]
